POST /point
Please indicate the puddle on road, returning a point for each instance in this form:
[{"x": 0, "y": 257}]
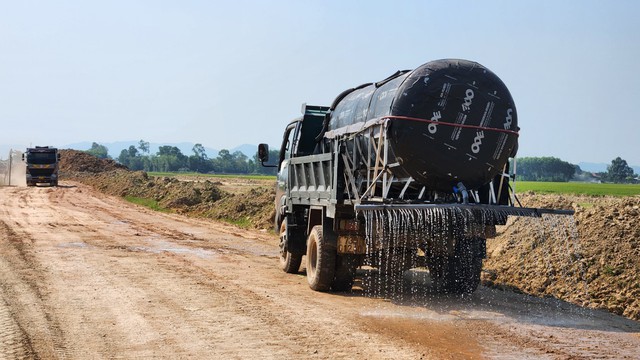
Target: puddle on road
[
  {"x": 74, "y": 245},
  {"x": 414, "y": 314},
  {"x": 165, "y": 246}
]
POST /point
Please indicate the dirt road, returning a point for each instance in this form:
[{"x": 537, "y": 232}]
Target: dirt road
[{"x": 84, "y": 275}]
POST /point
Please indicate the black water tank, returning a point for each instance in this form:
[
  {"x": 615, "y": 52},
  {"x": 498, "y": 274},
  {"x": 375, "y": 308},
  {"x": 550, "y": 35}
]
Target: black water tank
[{"x": 450, "y": 121}]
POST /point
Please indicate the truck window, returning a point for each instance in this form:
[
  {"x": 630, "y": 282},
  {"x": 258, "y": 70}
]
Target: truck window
[
  {"x": 310, "y": 127},
  {"x": 41, "y": 158}
]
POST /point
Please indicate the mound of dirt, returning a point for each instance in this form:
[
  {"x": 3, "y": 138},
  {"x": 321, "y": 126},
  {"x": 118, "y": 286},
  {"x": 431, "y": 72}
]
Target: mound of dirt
[
  {"x": 590, "y": 259},
  {"x": 250, "y": 207},
  {"x": 79, "y": 161}
]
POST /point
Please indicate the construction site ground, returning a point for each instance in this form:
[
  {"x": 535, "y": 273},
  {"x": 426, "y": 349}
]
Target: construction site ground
[{"x": 85, "y": 274}]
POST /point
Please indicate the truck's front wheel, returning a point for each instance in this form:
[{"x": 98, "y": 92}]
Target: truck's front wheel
[
  {"x": 321, "y": 261},
  {"x": 289, "y": 262}
]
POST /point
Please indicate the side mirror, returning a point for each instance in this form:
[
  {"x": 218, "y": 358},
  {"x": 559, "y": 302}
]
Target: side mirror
[
  {"x": 263, "y": 152},
  {"x": 58, "y": 156},
  {"x": 23, "y": 157},
  {"x": 263, "y": 155}
]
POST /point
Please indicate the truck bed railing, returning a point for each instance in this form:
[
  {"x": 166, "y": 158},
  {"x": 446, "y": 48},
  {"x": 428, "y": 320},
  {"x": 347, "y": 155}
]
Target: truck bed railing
[{"x": 310, "y": 180}]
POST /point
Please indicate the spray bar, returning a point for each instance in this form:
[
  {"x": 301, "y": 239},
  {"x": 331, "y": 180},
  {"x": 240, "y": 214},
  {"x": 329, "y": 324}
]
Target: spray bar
[{"x": 499, "y": 209}]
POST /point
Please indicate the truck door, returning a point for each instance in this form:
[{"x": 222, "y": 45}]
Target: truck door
[{"x": 286, "y": 152}]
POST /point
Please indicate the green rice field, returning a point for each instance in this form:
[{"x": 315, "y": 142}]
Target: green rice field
[
  {"x": 577, "y": 188},
  {"x": 218, "y": 176},
  {"x": 574, "y": 188}
]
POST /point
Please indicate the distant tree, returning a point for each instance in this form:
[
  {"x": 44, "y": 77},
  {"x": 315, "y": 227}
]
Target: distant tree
[
  {"x": 274, "y": 155},
  {"x": 98, "y": 150},
  {"x": 545, "y": 169},
  {"x": 143, "y": 146},
  {"x": 199, "y": 161},
  {"x": 131, "y": 158},
  {"x": 199, "y": 151},
  {"x": 132, "y": 151},
  {"x": 169, "y": 158},
  {"x": 224, "y": 162},
  {"x": 240, "y": 163},
  {"x": 123, "y": 158},
  {"x": 619, "y": 171}
]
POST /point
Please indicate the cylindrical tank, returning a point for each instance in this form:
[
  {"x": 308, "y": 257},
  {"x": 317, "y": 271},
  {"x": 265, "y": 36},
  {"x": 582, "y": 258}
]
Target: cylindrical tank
[{"x": 450, "y": 121}]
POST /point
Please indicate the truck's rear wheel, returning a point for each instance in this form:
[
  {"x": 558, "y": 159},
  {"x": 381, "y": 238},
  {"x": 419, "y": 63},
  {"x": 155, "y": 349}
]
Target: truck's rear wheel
[
  {"x": 289, "y": 262},
  {"x": 460, "y": 273},
  {"x": 321, "y": 261},
  {"x": 346, "y": 266}
]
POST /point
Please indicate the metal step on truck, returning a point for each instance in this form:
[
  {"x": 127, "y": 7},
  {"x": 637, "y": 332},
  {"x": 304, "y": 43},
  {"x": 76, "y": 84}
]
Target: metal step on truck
[{"x": 411, "y": 171}]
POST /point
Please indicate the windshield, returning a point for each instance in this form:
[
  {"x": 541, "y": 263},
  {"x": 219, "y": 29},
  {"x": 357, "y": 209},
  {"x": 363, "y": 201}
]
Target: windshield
[{"x": 41, "y": 158}]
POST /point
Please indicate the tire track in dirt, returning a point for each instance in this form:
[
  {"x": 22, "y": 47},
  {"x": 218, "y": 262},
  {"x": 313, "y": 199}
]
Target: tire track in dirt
[
  {"x": 21, "y": 276},
  {"x": 13, "y": 342}
]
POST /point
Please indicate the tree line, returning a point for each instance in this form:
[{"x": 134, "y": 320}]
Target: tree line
[
  {"x": 171, "y": 159},
  {"x": 554, "y": 169},
  {"x": 544, "y": 169}
]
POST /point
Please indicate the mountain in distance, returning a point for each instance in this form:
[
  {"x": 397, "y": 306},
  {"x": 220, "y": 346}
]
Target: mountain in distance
[
  {"x": 593, "y": 167},
  {"x": 247, "y": 149},
  {"x": 115, "y": 148}
]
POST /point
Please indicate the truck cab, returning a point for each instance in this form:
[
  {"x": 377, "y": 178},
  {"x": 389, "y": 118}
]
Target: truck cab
[
  {"x": 299, "y": 140},
  {"x": 42, "y": 165}
]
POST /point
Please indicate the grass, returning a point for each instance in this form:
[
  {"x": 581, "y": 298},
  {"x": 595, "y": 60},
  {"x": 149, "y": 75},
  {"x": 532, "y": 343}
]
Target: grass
[
  {"x": 220, "y": 176},
  {"x": 150, "y": 203},
  {"x": 243, "y": 222},
  {"x": 577, "y": 188}
]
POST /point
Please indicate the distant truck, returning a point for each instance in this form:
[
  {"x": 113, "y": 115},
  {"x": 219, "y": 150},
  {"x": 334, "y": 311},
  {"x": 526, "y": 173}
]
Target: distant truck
[
  {"x": 42, "y": 165},
  {"x": 411, "y": 171}
]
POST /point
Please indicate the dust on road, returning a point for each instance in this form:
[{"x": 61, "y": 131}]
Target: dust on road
[{"x": 85, "y": 275}]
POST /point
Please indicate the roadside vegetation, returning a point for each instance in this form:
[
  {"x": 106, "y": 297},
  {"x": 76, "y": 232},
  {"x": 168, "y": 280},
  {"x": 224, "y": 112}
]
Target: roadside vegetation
[
  {"x": 150, "y": 203},
  {"x": 171, "y": 159},
  {"x": 577, "y": 188},
  {"x": 210, "y": 176}
]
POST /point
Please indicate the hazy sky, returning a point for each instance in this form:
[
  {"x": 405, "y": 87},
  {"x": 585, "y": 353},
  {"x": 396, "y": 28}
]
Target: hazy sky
[{"x": 234, "y": 72}]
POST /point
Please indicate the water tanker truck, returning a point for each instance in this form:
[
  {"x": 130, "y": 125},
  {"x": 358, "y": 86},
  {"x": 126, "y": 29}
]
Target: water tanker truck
[{"x": 411, "y": 171}]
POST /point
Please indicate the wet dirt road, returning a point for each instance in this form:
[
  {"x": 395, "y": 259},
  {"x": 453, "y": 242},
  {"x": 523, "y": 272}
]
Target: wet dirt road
[{"x": 84, "y": 275}]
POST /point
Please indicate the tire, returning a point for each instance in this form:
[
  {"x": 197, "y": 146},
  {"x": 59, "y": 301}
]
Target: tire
[
  {"x": 289, "y": 263},
  {"x": 460, "y": 273},
  {"x": 345, "y": 274},
  {"x": 321, "y": 261}
]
